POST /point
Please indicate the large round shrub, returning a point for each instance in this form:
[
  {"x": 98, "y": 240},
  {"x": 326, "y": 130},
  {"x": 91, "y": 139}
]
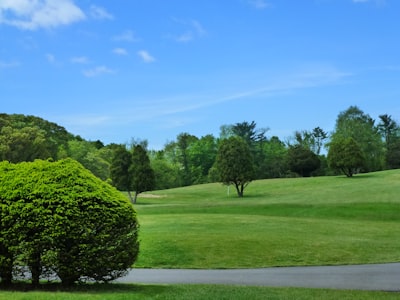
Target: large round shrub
[{"x": 58, "y": 217}]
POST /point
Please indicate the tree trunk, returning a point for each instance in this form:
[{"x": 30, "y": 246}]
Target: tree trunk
[
  {"x": 6, "y": 267},
  {"x": 36, "y": 268},
  {"x": 68, "y": 280},
  {"x": 239, "y": 190},
  {"x": 130, "y": 197},
  {"x": 6, "y": 273},
  {"x": 135, "y": 197}
]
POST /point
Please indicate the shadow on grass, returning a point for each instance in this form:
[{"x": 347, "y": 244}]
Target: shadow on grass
[
  {"x": 87, "y": 288},
  {"x": 359, "y": 176}
]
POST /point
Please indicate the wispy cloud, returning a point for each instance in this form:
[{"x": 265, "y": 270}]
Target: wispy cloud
[
  {"x": 120, "y": 51},
  {"x": 7, "y": 65},
  {"x": 377, "y": 2},
  {"x": 126, "y": 36},
  {"x": 193, "y": 29},
  {"x": 51, "y": 58},
  {"x": 100, "y": 13},
  {"x": 79, "y": 60},
  {"x": 259, "y": 4},
  {"x": 97, "y": 71},
  {"x": 184, "y": 37},
  {"x": 84, "y": 120},
  {"x": 32, "y": 15},
  {"x": 198, "y": 28},
  {"x": 146, "y": 56},
  {"x": 174, "y": 106}
]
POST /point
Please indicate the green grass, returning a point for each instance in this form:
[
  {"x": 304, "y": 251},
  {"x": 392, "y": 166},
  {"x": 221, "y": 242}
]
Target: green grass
[
  {"x": 204, "y": 292},
  {"x": 279, "y": 222}
]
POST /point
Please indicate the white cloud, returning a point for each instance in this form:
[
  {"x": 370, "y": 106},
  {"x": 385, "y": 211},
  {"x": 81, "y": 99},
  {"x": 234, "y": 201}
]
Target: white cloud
[
  {"x": 145, "y": 56},
  {"x": 35, "y": 14},
  {"x": 120, "y": 51},
  {"x": 79, "y": 60},
  {"x": 126, "y": 36},
  {"x": 100, "y": 70},
  {"x": 259, "y": 4},
  {"x": 100, "y": 13}
]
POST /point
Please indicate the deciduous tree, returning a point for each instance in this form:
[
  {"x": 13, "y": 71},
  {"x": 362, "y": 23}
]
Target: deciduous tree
[
  {"x": 354, "y": 123},
  {"x": 235, "y": 163},
  {"x": 346, "y": 155}
]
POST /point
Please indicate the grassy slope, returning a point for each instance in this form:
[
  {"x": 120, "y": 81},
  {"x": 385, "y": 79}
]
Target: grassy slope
[{"x": 280, "y": 222}]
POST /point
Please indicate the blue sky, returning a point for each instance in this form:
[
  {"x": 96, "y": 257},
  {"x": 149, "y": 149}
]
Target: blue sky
[{"x": 151, "y": 69}]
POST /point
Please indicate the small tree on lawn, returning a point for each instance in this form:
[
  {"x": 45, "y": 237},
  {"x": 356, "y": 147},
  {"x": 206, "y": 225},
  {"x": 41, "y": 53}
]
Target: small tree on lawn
[
  {"x": 131, "y": 171},
  {"x": 346, "y": 155},
  {"x": 234, "y": 163},
  {"x": 120, "y": 169},
  {"x": 142, "y": 175}
]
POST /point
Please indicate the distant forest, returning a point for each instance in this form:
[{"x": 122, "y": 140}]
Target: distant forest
[{"x": 190, "y": 160}]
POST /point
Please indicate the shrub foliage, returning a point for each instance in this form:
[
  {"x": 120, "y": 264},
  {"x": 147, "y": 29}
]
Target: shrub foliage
[{"x": 58, "y": 218}]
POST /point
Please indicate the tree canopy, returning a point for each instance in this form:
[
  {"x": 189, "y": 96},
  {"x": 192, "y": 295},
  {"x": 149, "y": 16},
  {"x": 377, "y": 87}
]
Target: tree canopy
[
  {"x": 188, "y": 159},
  {"x": 346, "y": 155},
  {"x": 302, "y": 160},
  {"x": 354, "y": 123},
  {"x": 235, "y": 163}
]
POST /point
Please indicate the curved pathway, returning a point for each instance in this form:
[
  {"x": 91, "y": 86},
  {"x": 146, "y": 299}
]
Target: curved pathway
[{"x": 384, "y": 277}]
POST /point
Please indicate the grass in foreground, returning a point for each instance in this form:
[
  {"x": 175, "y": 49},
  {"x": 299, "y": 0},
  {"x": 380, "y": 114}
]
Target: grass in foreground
[
  {"x": 280, "y": 222},
  {"x": 204, "y": 292}
]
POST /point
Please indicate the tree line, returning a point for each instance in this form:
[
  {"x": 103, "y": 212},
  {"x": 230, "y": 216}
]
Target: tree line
[{"x": 358, "y": 143}]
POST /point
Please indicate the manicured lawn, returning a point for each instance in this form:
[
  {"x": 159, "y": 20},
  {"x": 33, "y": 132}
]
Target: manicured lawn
[
  {"x": 203, "y": 292},
  {"x": 280, "y": 222}
]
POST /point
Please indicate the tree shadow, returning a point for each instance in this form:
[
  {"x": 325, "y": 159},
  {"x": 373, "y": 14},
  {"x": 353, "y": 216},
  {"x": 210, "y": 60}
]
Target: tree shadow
[{"x": 88, "y": 288}]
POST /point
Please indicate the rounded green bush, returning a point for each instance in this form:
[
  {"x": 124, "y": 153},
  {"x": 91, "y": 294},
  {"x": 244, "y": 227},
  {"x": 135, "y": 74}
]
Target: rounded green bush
[{"x": 57, "y": 217}]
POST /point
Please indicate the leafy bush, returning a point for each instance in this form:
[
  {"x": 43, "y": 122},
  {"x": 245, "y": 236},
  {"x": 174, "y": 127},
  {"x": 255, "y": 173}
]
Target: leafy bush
[{"x": 58, "y": 217}]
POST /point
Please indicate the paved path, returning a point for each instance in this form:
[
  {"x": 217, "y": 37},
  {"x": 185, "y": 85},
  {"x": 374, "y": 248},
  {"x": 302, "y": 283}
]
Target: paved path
[{"x": 384, "y": 277}]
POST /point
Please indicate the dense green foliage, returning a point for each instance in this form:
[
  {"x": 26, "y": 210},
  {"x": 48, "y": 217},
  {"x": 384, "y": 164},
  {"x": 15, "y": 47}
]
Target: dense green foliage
[
  {"x": 302, "y": 160},
  {"x": 190, "y": 160},
  {"x": 25, "y": 138},
  {"x": 58, "y": 217}
]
